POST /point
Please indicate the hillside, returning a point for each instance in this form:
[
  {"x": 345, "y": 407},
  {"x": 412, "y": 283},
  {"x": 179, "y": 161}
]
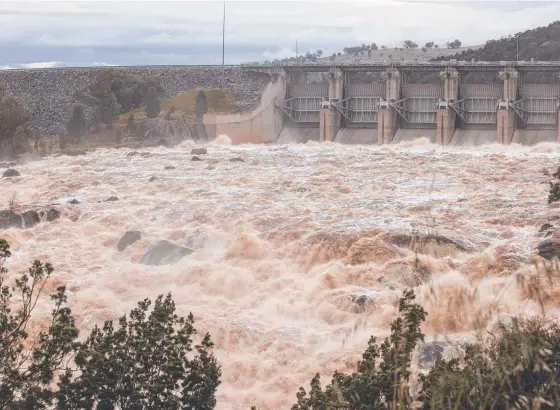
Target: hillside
[
  {"x": 542, "y": 43},
  {"x": 399, "y": 54}
]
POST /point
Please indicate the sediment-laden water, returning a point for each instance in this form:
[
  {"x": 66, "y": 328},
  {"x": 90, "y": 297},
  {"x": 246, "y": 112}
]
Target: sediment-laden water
[{"x": 293, "y": 236}]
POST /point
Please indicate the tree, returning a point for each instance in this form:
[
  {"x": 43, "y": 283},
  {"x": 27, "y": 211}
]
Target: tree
[
  {"x": 147, "y": 361},
  {"x": 374, "y": 47},
  {"x": 12, "y": 117},
  {"x": 144, "y": 363},
  {"x": 201, "y": 104},
  {"x": 374, "y": 385},
  {"x": 319, "y": 53},
  {"x": 130, "y": 123},
  {"x": 109, "y": 109},
  {"x": 518, "y": 369},
  {"x": 26, "y": 376},
  {"x": 429, "y": 45},
  {"x": 410, "y": 44},
  {"x": 118, "y": 136},
  {"x": 153, "y": 107},
  {"x": 454, "y": 44},
  {"x": 77, "y": 123},
  {"x": 62, "y": 142}
]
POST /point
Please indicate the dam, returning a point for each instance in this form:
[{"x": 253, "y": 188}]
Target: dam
[{"x": 451, "y": 103}]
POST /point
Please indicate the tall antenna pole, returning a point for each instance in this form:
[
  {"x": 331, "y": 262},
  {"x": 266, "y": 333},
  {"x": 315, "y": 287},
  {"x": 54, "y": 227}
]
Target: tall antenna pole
[{"x": 223, "y": 46}]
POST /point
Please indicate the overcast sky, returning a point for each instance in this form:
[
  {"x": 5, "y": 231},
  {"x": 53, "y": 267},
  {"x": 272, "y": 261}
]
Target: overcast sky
[{"x": 82, "y": 33}]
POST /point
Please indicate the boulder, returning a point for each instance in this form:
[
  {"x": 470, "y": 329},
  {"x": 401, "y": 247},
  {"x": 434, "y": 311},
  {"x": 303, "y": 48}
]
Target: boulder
[
  {"x": 30, "y": 219},
  {"x": 10, "y": 173},
  {"x": 112, "y": 199},
  {"x": 9, "y": 219},
  {"x": 236, "y": 159},
  {"x": 431, "y": 244},
  {"x": 199, "y": 151},
  {"x": 429, "y": 353},
  {"x": 128, "y": 239},
  {"x": 50, "y": 214},
  {"x": 197, "y": 239},
  {"x": 152, "y": 178},
  {"x": 165, "y": 253},
  {"x": 546, "y": 230},
  {"x": 169, "y": 167},
  {"x": 75, "y": 153},
  {"x": 549, "y": 249},
  {"x": 195, "y": 158},
  {"x": 74, "y": 201}
]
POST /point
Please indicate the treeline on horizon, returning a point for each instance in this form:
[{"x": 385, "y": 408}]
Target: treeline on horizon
[
  {"x": 541, "y": 43},
  {"x": 153, "y": 358}
]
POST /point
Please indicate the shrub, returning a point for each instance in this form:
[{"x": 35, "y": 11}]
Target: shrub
[
  {"x": 146, "y": 361},
  {"x": 109, "y": 109}
]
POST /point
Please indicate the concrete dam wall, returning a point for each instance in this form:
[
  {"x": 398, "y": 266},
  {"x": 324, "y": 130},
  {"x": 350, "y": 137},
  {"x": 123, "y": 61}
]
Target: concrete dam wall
[
  {"x": 47, "y": 94},
  {"x": 460, "y": 104}
]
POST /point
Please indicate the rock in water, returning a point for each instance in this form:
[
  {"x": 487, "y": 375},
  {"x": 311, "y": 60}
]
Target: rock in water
[
  {"x": 546, "y": 230},
  {"x": 165, "y": 253},
  {"x": 74, "y": 201},
  {"x": 30, "y": 219},
  {"x": 112, "y": 199},
  {"x": 429, "y": 353},
  {"x": 236, "y": 159},
  {"x": 169, "y": 167},
  {"x": 199, "y": 151},
  {"x": 128, "y": 239},
  {"x": 152, "y": 178},
  {"x": 50, "y": 215},
  {"x": 10, "y": 173},
  {"x": 195, "y": 158},
  {"x": 549, "y": 249},
  {"x": 9, "y": 219}
]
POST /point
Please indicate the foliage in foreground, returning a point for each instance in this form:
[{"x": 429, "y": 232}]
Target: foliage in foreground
[
  {"x": 519, "y": 369},
  {"x": 146, "y": 361}
]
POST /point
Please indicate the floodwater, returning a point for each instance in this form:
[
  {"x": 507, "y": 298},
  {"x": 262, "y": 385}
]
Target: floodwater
[{"x": 294, "y": 234}]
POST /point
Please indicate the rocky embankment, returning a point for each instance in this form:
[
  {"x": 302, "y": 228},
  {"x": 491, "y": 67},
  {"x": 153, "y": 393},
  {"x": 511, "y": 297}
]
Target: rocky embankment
[{"x": 47, "y": 94}]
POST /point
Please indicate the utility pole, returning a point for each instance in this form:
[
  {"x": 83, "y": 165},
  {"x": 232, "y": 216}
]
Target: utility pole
[
  {"x": 223, "y": 46},
  {"x": 517, "y": 36},
  {"x": 296, "y": 48}
]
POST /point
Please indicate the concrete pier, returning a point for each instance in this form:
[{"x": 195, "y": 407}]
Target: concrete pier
[{"x": 387, "y": 117}]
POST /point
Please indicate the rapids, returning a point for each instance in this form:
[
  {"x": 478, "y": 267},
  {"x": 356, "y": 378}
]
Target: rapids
[{"x": 295, "y": 232}]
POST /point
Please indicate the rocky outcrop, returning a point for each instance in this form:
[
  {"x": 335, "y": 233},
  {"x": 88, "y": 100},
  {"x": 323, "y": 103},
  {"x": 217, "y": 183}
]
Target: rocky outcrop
[
  {"x": 47, "y": 94},
  {"x": 199, "y": 151},
  {"x": 10, "y": 173},
  {"x": 165, "y": 253},
  {"x": 27, "y": 219},
  {"x": 549, "y": 248},
  {"x": 128, "y": 239}
]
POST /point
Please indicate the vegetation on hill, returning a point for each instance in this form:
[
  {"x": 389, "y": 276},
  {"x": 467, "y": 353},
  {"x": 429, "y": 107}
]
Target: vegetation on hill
[
  {"x": 542, "y": 44},
  {"x": 216, "y": 101},
  {"x": 14, "y": 130}
]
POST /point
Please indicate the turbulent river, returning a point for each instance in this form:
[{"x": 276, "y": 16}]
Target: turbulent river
[{"x": 294, "y": 235}]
